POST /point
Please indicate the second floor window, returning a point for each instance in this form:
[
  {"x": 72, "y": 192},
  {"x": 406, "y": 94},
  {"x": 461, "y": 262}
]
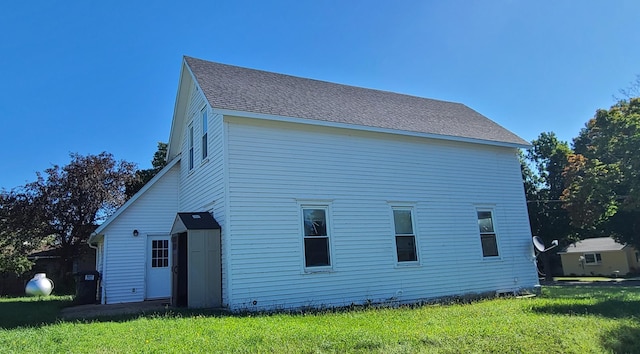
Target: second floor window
[
  {"x": 205, "y": 129},
  {"x": 190, "y": 147}
]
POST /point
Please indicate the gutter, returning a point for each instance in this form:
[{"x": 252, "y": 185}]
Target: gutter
[{"x": 90, "y": 244}]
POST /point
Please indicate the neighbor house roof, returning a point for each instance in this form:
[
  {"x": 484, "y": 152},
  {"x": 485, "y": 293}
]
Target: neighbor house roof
[
  {"x": 599, "y": 244},
  {"x": 240, "y": 89},
  {"x": 52, "y": 253}
]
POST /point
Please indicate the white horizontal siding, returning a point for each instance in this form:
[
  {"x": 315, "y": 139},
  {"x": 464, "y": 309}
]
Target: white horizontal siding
[
  {"x": 273, "y": 166},
  {"x": 152, "y": 213},
  {"x": 202, "y": 188}
]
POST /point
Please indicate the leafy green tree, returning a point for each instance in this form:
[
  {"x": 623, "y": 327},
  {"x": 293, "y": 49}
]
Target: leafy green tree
[
  {"x": 142, "y": 177},
  {"x": 545, "y": 186},
  {"x": 603, "y": 176},
  {"x": 70, "y": 201},
  {"x": 544, "y": 182},
  {"x": 17, "y": 221},
  {"x": 530, "y": 179}
]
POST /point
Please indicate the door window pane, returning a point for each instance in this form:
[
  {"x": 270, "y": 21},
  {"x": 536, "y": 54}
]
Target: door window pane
[{"x": 159, "y": 253}]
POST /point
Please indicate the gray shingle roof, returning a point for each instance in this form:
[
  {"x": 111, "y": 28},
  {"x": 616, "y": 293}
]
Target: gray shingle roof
[
  {"x": 599, "y": 244},
  {"x": 248, "y": 90},
  {"x": 198, "y": 221}
]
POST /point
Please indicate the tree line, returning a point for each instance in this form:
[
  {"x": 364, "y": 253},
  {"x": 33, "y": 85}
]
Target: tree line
[
  {"x": 590, "y": 188},
  {"x": 64, "y": 205}
]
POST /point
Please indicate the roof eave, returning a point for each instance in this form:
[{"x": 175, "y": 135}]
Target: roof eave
[{"x": 323, "y": 123}]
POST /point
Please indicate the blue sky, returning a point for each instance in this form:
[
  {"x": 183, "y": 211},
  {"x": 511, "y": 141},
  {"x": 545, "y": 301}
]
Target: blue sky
[{"x": 88, "y": 76}]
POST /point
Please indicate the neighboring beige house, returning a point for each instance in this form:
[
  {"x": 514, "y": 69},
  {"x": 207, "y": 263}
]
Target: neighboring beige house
[{"x": 599, "y": 256}]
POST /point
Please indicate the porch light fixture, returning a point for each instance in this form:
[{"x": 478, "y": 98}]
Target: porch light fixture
[{"x": 135, "y": 233}]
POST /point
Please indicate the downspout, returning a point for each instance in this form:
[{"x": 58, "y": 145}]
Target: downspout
[
  {"x": 104, "y": 270},
  {"x": 91, "y": 245}
]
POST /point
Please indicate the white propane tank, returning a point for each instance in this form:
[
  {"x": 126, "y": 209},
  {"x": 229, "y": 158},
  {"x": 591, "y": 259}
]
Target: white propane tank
[{"x": 40, "y": 285}]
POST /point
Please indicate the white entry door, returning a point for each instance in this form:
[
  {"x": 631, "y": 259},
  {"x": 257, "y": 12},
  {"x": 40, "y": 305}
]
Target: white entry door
[{"x": 158, "y": 279}]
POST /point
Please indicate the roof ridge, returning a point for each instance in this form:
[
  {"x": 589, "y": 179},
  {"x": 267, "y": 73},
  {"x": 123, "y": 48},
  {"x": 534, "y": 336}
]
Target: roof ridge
[{"x": 323, "y": 81}]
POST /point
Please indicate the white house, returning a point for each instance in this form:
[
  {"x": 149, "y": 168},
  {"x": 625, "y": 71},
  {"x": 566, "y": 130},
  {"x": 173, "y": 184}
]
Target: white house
[{"x": 323, "y": 195}]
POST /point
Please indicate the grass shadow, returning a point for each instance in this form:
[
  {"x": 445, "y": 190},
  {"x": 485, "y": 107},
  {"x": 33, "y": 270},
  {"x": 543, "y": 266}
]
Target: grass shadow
[
  {"x": 31, "y": 313},
  {"x": 605, "y": 302},
  {"x": 152, "y": 314},
  {"x": 611, "y": 308},
  {"x": 585, "y": 291},
  {"x": 39, "y": 312},
  {"x": 54, "y": 313},
  {"x": 624, "y": 339}
]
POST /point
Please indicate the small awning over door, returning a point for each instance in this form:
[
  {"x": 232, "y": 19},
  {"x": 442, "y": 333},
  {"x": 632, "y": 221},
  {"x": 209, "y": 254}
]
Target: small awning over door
[{"x": 194, "y": 221}]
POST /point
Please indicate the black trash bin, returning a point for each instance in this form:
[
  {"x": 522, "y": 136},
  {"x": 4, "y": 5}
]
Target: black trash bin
[{"x": 86, "y": 287}]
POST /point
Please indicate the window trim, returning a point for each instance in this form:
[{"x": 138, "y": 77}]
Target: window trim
[
  {"x": 411, "y": 209},
  {"x": 205, "y": 132},
  {"x": 596, "y": 255},
  {"x": 328, "y": 216},
  {"x": 495, "y": 232}
]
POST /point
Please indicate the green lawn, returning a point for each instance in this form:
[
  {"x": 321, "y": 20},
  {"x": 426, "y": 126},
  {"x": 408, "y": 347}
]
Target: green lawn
[{"x": 563, "y": 320}]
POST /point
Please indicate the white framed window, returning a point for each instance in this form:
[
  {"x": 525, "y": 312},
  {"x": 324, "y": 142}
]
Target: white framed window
[
  {"x": 191, "y": 147},
  {"x": 488, "y": 236},
  {"x": 205, "y": 128},
  {"x": 316, "y": 235},
  {"x": 592, "y": 258},
  {"x": 405, "y": 237}
]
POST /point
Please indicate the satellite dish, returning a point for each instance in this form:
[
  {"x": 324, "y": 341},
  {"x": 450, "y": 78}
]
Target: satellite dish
[
  {"x": 537, "y": 242},
  {"x": 539, "y": 245}
]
